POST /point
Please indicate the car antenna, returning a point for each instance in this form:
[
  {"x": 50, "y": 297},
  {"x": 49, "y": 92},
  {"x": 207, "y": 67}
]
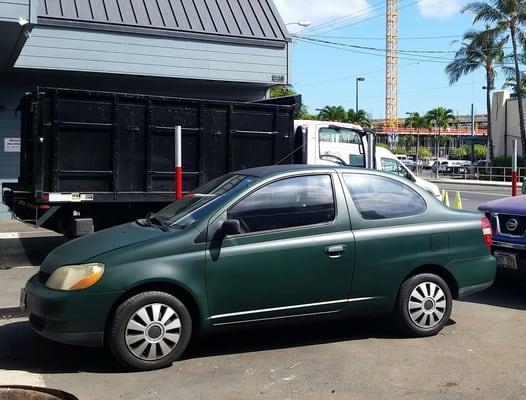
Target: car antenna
[{"x": 284, "y": 158}]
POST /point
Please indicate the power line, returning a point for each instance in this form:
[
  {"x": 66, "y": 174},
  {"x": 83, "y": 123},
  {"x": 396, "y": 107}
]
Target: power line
[
  {"x": 368, "y": 49},
  {"x": 372, "y": 17},
  {"x": 350, "y": 76},
  {"x": 383, "y": 37},
  {"x": 353, "y": 50},
  {"x": 355, "y": 14},
  {"x": 414, "y": 53}
]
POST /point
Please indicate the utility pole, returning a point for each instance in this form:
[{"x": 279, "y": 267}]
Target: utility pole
[
  {"x": 358, "y": 80},
  {"x": 472, "y": 133}
]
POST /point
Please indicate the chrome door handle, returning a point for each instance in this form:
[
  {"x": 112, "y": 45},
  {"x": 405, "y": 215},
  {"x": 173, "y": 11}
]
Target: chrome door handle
[{"x": 335, "y": 251}]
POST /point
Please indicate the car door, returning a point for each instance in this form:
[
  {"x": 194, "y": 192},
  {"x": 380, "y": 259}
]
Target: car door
[
  {"x": 295, "y": 255},
  {"x": 392, "y": 235}
]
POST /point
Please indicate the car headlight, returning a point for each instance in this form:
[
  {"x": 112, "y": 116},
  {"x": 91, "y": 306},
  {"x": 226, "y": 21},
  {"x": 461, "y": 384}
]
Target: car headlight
[{"x": 75, "y": 277}]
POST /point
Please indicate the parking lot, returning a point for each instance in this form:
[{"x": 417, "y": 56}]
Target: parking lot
[{"x": 480, "y": 355}]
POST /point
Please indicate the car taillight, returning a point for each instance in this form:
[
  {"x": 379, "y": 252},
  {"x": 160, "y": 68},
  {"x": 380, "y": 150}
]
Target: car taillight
[{"x": 486, "y": 232}]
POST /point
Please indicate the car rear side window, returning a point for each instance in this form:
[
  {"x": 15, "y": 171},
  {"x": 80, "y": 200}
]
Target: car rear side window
[
  {"x": 287, "y": 203},
  {"x": 378, "y": 197}
]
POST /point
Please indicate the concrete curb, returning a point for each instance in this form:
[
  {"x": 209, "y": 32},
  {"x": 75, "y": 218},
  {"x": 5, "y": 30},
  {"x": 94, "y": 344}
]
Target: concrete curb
[{"x": 470, "y": 182}]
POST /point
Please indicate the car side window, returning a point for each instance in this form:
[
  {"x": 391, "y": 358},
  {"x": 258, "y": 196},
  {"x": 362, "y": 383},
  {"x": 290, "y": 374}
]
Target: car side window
[
  {"x": 394, "y": 167},
  {"x": 287, "y": 203},
  {"x": 378, "y": 197}
]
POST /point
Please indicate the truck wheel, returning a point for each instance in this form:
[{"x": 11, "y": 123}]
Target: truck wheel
[
  {"x": 424, "y": 305},
  {"x": 149, "y": 331}
]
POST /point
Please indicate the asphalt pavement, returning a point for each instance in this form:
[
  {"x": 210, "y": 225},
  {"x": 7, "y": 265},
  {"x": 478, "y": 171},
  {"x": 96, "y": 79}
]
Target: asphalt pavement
[
  {"x": 475, "y": 195},
  {"x": 479, "y": 355}
]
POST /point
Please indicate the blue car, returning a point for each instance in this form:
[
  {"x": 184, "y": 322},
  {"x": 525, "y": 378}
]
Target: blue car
[{"x": 508, "y": 223}]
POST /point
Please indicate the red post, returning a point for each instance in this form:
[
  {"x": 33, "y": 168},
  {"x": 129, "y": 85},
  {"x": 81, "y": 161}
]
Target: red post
[
  {"x": 514, "y": 170},
  {"x": 178, "y": 164}
]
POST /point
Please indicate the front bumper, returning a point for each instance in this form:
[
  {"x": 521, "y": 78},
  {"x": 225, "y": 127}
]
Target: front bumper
[{"x": 76, "y": 318}]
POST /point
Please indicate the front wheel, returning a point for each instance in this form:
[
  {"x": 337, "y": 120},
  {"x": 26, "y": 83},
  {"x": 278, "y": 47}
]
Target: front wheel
[
  {"x": 149, "y": 331},
  {"x": 424, "y": 305}
]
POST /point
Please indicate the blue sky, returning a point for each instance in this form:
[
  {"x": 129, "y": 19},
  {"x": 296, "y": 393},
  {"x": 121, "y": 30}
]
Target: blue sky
[{"x": 326, "y": 76}]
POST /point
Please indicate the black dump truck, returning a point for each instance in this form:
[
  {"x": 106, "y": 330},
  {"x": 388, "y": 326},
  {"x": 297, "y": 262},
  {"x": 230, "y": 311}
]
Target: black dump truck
[{"x": 91, "y": 160}]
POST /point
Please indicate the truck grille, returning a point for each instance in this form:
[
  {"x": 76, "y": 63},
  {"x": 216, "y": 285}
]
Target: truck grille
[{"x": 512, "y": 225}]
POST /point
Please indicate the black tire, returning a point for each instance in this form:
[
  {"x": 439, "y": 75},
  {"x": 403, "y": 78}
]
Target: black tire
[
  {"x": 118, "y": 331},
  {"x": 432, "y": 320}
]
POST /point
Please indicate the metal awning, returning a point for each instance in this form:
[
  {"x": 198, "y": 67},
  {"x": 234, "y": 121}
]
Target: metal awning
[{"x": 225, "y": 20}]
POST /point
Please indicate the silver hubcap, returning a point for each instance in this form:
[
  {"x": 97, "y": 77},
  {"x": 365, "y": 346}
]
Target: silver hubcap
[
  {"x": 427, "y": 305},
  {"x": 153, "y": 332}
]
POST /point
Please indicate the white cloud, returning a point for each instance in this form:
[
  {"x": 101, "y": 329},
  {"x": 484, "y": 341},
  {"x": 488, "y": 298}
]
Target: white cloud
[
  {"x": 439, "y": 8},
  {"x": 318, "y": 12}
]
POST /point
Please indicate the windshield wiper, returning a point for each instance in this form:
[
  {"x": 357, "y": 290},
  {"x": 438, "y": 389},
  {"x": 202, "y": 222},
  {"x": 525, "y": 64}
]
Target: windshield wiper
[{"x": 153, "y": 219}]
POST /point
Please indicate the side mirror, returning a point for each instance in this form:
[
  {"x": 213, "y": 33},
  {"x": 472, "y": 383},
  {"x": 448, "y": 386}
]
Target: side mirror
[{"x": 231, "y": 227}]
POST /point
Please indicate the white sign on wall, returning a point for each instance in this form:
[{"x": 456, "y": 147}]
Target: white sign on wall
[{"x": 12, "y": 145}]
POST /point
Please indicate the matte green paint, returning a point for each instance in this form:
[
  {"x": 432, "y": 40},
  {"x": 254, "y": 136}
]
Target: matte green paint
[{"x": 270, "y": 275}]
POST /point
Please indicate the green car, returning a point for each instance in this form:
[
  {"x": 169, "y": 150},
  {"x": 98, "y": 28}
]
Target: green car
[{"x": 262, "y": 246}]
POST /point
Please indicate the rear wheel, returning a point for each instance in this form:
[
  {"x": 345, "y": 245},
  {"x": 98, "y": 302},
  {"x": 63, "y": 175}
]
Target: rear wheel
[
  {"x": 149, "y": 331},
  {"x": 424, "y": 305}
]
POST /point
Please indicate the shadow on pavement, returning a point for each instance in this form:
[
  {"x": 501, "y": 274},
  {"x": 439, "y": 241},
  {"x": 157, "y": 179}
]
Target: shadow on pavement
[
  {"x": 252, "y": 340},
  {"x": 22, "y": 349},
  {"x": 27, "y": 251},
  {"x": 504, "y": 293}
]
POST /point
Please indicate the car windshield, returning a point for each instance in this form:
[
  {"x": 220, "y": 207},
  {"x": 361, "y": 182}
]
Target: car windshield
[
  {"x": 341, "y": 145},
  {"x": 197, "y": 204}
]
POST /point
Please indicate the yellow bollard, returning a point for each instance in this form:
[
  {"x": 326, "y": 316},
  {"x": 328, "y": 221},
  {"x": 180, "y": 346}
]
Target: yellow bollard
[
  {"x": 443, "y": 196},
  {"x": 458, "y": 202}
]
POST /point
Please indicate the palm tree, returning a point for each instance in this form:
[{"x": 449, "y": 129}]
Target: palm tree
[
  {"x": 508, "y": 15},
  {"x": 410, "y": 141},
  {"x": 417, "y": 121},
  {"x": 511, "y": 83},
  {"x": 479, "y": 49},
  {"x": 333, "y": 113},
  {"x": 445, "y": 140},
  {"x": 284, "y": 91},
  {"x": 440, "y": 117},
  {"x": 359, "y": 118}
]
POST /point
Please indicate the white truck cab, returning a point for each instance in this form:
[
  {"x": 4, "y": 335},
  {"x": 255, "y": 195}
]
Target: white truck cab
[{"x": 340, "y": 143}]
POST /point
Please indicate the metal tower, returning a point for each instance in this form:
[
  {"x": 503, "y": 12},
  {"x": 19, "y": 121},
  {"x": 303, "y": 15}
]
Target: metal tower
[{"x": 391, "y": 66}]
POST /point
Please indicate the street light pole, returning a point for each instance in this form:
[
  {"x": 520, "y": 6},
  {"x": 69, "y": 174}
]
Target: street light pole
[
  {"x": 358, "y": 80},
  {"x": 303, "y": 24},
  {"x": 437, "y": 149}
]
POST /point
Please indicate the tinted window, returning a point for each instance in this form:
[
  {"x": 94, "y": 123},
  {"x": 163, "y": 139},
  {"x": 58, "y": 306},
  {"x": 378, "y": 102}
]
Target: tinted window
[
  {"x": 288, "y": 203},
  {"x": 377, "y": 197},
  {"x": 198, "y": 204},
  {"x": 394, "y": 167},
  {"x": 347, "y": 136}
]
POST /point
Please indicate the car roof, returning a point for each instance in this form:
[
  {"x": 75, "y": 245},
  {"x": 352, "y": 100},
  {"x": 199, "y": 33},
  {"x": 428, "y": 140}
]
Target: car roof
[
  {"x": 276, "y": 170},
  {"x": 272, "y": 170}
]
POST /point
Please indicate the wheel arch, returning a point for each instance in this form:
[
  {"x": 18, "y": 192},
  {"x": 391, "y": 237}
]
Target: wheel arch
[
  {"x": 172, "y": 288},
  {"x": 440, "y": 271}
]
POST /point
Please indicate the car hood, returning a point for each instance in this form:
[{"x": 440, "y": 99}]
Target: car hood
[
  {"x": 85, "y": 248},
  {"x": 509, "y": 205},
  {"x": 429, "y": 186}
]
